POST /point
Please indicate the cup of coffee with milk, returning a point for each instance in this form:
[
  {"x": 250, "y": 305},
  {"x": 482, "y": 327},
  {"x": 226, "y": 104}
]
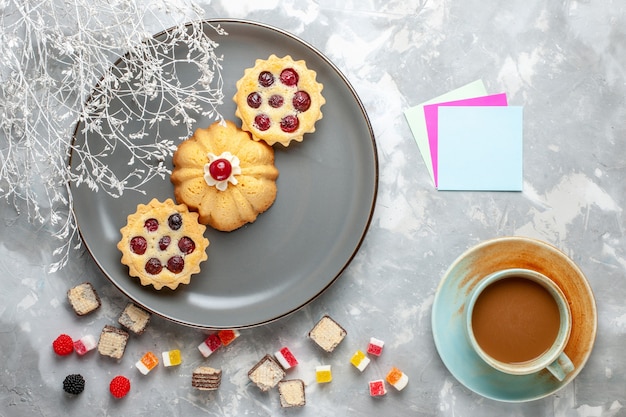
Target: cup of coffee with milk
[{"x": 519, "y": 322}]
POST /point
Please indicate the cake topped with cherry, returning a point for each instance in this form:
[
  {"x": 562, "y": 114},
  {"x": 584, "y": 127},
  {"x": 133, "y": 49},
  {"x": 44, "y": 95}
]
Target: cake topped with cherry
[
  {"x": 163, "y": 244},
  {"x": 279, "y": 100}
]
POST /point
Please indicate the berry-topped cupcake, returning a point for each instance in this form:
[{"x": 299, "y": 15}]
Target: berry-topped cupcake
[
  {"x": 163, "y": 244},
  {"x": 279, "y": 100}
]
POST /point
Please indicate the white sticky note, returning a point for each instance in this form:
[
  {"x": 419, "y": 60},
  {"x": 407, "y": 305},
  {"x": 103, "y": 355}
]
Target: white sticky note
[{"x": 480, "y": 148}]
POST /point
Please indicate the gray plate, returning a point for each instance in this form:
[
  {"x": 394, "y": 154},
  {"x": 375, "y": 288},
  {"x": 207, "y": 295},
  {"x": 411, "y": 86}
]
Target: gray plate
[{"x": 294, "y": 251}]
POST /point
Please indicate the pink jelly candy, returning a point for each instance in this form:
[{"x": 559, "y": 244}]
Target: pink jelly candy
[
  {"x": 286, "y": 358},
  {"x": 85, "y": 344},
  {"x": 375, "y": 347},
  {"x": 377, "y": 388},
  {"x": 210, "y": 345}
]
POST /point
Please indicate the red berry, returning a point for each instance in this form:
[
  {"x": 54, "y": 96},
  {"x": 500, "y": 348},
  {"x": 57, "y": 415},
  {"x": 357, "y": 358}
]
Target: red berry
[
  {"x": 63, "y": 345},
  {"x": 153, "y": 266},
  {"x": 266, "y": 78},
  {"x": 164, "y": 242},
  {"x": 119, "y": 386},
  {"x": 276, "y": 100},
  {"x": 289, "y": 77},
  {"x": 152, "y": 225},
  {"x": 301, "y": 101},
  {"x": 220, "y": 169},
  {"x": 262, "y": 122},
  {"x": 176, "y": 264},
  {"x": 254, "y": 100},
  {"x": 289, "y": 124},
  {"x": 138, "y": 245},
  {"x": 186, "y": 245}
]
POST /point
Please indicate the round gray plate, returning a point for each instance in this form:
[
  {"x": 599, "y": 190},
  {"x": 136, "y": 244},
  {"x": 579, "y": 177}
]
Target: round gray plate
[{"x": 294, "y": 251}]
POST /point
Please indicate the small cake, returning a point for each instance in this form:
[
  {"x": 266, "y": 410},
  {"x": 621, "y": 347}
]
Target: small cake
[
  {"x": 291, "y": 393},
  {"x": 83, "y": 298},
  {"x": 224, "y": 175},
  {"x": 266, "y": 373},
  {"x": 163, "y": 244},
  {"x": 206, "y": 378},
  {"x": 279, "y": 100},
  {"x": 327, "y": 333},
  {"x": 134, "y": 318},
  {"x": 112, "y": 342}
]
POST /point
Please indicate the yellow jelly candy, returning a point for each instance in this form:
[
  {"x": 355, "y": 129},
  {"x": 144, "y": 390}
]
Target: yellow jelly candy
[{"x": 323, "y": 374}]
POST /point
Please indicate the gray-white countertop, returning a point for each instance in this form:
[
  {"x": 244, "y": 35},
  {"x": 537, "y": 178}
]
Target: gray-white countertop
[{"x": 564, "y": 62}]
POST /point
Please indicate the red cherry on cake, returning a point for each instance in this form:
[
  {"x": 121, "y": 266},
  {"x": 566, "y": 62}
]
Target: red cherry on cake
[
  {"x": 153, "y": 266},
  {"x": 266, "y": 78},
  {"x": 289, "y": 77},
  {"x": 186, "y": 245},
  {"x": 301, "y": 101},
  {"x": 254, "y": 100},
  {"x": 164, "y": 242},
  {"x": 289, "y": 123},
  {"x": 276, "y": 100},
  {"x": 262, "y": 122},
  {"x": 176, "y": 264},
  {"x": 138, "y": 245},
  {"x": 151, "y": 225},
  {"x": 220, "y": 169}
]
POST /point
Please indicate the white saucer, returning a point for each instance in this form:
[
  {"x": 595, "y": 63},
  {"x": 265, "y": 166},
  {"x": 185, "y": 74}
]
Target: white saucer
[{"x": 448, "y": 321}]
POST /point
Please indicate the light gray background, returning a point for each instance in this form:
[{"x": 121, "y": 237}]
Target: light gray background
[{"x": 562, "y": 61}]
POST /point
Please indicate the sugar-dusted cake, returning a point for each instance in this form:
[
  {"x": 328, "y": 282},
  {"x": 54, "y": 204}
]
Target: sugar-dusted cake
[
  {"x": 163, "y": 244},
  {"x": 279, "y": 100},
  {"x": 83, "y": 298},
  {"x": 224, "y": 175},
  {"x": 134, "y": 318}
]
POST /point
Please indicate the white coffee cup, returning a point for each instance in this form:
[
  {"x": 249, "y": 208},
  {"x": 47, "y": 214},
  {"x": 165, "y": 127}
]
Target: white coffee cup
[{"x": 513, "y": 311}]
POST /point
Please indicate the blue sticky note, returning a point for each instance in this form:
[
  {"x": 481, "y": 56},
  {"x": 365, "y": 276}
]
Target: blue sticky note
[{"x": 480, "y": 148}]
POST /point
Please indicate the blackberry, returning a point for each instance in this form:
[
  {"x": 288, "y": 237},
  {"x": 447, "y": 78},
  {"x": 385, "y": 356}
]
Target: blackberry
[{"x": 74, "y": 384}]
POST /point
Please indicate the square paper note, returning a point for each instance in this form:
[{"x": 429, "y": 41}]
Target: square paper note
[
  {"x": 417, "y": 122},
  {"x": 431, "y": 115},
  {"x": 480, "y": 148}
]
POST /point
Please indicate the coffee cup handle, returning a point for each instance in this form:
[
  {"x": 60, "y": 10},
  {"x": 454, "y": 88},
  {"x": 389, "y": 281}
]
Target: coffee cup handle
[{"x": 561, "y": 367}]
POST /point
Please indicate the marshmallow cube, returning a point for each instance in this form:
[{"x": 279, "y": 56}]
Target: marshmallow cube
[
  {"x": 171, "y": 358},
  {"x": 359, "y": 360},
  {"x": 85, "y": 344},
  {"x": 286, "y": 358},
  {"x": 210, "y": 345},
  {"x": 147, "y": 363}
]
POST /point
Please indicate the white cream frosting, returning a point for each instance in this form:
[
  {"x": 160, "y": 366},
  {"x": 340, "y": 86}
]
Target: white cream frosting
[{"x": 223, "y": 184}]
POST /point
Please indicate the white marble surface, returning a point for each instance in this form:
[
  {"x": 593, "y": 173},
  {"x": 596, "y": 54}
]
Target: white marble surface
[{"x": 563, "y": 61}]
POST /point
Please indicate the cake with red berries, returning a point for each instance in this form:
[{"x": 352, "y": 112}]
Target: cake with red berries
[
  {"x": 163, "y": 244},
  {"x": 224, "y": 175},
  {"x": 279, "y": 100}
]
